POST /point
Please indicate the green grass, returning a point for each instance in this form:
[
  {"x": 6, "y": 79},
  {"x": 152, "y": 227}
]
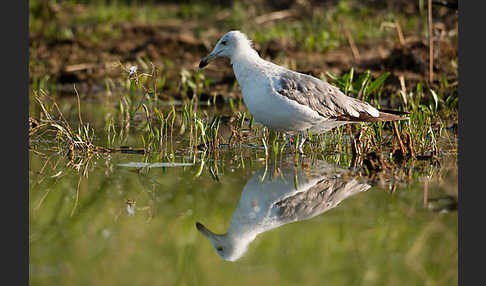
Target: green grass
[
  {"x": 142, "y": 113},
  {"x": 319, "y": 29},
  {"x": 141, "y": 121}
]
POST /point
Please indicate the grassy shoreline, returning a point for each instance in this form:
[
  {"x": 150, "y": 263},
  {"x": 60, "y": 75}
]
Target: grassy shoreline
[{"x": 169, "y": 99}]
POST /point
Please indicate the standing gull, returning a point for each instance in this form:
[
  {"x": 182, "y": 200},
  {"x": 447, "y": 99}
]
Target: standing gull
[{"x": 288, "y": 101}]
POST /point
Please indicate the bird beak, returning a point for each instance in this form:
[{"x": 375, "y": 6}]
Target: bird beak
[
  {"x": 202, "y": 229},
  {"x": 205, "y": 61}
]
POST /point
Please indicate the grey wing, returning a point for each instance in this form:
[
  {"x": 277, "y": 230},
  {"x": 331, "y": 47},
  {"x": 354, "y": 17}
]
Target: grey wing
[
  {"x": 323, "y": 196},
  {"x": 322, "y": 97}
]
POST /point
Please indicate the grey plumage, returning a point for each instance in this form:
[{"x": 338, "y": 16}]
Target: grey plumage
[
  {"x": 327, "y": 99},
  {"x": 323, "y": 196},
  {"x": 288, "y": 101}
]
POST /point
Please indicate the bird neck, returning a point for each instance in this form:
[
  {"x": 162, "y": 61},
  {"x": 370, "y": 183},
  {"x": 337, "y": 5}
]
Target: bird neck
[
  {"x": 245, "y": 55},
  {"x": 244, "y": 62}
]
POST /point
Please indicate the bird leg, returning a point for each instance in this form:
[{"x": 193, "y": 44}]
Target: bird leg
[
  {"x": 287, "y": 139},
  {"x": 300, "y": 143}
]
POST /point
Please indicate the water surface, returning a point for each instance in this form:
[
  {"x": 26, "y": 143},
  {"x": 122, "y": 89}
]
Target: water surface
[{"x": 130, "y": 219}]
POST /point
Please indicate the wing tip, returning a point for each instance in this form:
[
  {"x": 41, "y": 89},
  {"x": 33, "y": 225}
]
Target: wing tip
[{"x": 385, "y": 116}]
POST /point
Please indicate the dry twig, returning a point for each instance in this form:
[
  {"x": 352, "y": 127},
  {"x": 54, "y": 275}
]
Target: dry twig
[
  {"x": 431, "y": 48},
  {"x": 277, "y": 15}
]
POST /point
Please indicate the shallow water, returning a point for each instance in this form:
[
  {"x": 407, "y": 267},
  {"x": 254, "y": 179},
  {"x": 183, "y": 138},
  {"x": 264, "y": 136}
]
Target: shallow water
[{"x": 130, "y": 219}]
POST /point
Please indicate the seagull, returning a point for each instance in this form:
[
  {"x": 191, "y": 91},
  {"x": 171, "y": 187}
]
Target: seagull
[
  {"x": 269, "y": 202},
  {"x": 288, "y": 101}
]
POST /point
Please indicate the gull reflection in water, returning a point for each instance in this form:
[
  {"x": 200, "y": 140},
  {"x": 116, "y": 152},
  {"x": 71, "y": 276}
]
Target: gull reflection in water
[{"x": 274, "y": 196}]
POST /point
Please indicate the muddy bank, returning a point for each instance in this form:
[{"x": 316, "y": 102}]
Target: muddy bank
[{"x": 175, "y": 45}]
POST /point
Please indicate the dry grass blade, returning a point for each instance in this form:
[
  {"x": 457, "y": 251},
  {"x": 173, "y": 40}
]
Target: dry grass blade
[
  {"x": 401, "y": 38},
  {"x": 79, "y": 105},
  {"x": 402, "y": 147},
  {"x": 350, "y": 39}
]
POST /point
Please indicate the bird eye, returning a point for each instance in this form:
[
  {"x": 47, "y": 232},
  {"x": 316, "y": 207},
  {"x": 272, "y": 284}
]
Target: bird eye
[
  {"x": 219, "y": 249},
  {"x": 224, "y": 42}
]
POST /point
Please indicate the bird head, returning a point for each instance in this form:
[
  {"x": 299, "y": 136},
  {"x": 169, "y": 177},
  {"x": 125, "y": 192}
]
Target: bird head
[
  {"x": 233, "y": 42},
  {"x": 225, "y": 245}
]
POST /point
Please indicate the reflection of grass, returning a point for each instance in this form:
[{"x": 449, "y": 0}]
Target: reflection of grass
[{"x": 375, "y": 238}]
